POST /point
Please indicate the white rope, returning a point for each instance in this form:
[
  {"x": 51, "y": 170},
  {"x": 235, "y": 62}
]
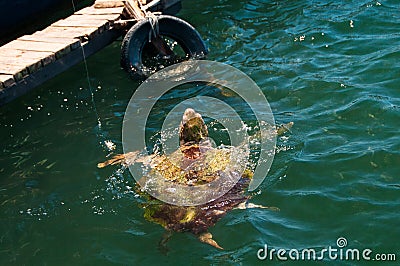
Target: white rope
[{"x": 153, "y": 19}]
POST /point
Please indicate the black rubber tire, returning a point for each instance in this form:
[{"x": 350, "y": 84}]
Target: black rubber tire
[{"x": 138, "y": 36}]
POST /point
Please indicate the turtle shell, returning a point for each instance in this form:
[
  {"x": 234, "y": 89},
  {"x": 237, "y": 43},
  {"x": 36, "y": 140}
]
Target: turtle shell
[
  {"x": 196, "y": 162},
  {"x": 196, "y": 219}
]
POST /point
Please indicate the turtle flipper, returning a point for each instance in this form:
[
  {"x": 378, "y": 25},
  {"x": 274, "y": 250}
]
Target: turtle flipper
[
  {"x": 162, "y": 245},
  {"x": 249, "y": 205},
  {"x": 127, "y": 158},
  {"x": 282, "y": 129},
  {"x": 207, "y": 238}
]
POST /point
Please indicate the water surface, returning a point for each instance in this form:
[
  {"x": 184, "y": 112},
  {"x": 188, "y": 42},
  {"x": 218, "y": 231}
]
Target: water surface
[{"x": 331, "y": 67}]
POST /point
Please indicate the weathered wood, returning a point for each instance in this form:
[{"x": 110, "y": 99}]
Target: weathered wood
[
  {"x": 34, "y": 46},
  {"x": 44, "y": 37},
  {"x": 94, "y": 17},
  {"x": 108, "y": 4},
  {"x": 60, "y": 49},
  {"x": 57, "y": 67},
  {"x": 44, "y": 57},
  {"x": 133, "y": 10},
  {"x": 31, "y": 64},
  {"x": 151, "y": 4},
  {"x": 157, "y": 5},
  {"x": 82, "y": 22},
  {"x": 18, "y": 72},
  {"x": 6, "y": 81},
  {"x": 32, "y": 59},
  {"x": 13, "y": 62},
  {"x": 100, "y": 11},
  {"x": 84, "y": 34}
]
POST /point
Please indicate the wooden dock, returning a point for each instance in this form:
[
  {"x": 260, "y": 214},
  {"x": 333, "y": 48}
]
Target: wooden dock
[{"x": 32, "y": 59}]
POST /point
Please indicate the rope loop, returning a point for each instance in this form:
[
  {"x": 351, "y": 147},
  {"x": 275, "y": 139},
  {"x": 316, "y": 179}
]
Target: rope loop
[{"x": 153, "y": 19}]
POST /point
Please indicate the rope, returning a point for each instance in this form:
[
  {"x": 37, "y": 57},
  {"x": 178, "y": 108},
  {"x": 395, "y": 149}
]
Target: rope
[
  {"x": 88, "y": 77},
  {"x": 153, "y": 19}
]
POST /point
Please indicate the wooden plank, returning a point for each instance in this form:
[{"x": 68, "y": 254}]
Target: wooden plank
[
  {"x": 33, "y": 59},
  {"x": 35, "y": 46},
  {"x": 31, "y": 64},
  {"x": 151, "y": 4},
  {"x": 44, "y": 57},
  {"x": 6, "y": 81},
  {"x": 160, "y": 5},
  {"x": 100, "y": 11},
  {"x": 18, "y": 72},
  {"x": 108, "y": 4},
  {"x": 82, "y": 22},
  {"x": 75, "y": 32},
  {"x": 44, "y": 37},
  {"x": 93, "y": 17},
  {"x": 60, "y": 49},
  {"x": 133, "y": 10},
  {"x": 45, "y": 73}
]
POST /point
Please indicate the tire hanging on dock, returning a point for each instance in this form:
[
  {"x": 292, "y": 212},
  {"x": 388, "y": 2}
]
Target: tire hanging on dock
[{"x": 136, "y": 43}]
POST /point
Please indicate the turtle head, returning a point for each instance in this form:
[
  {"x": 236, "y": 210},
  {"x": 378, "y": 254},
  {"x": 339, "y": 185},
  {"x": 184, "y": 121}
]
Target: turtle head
[{"x": 192, "y": 129}]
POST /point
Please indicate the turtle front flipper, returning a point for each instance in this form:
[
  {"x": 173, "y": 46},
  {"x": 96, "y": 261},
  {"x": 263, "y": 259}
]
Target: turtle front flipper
[
  {"x": 127, "y": 158},
  {"x": 207, "y": 238},
  {"x": 249, "y": 205},
  {"x": 282, "y": 129}
]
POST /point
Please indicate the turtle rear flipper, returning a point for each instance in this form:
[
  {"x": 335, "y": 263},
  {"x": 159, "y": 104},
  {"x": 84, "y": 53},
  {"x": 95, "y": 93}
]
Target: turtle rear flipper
[
  {"x": 162, "y": 245},
  {"x": 207, "y": 238}
]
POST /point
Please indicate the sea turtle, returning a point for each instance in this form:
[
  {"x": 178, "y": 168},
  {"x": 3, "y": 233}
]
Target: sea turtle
[{"x": 196, "y": 162}]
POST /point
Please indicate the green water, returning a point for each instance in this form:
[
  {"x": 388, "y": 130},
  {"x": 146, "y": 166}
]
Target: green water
[{"x": 331, "y": 67}]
